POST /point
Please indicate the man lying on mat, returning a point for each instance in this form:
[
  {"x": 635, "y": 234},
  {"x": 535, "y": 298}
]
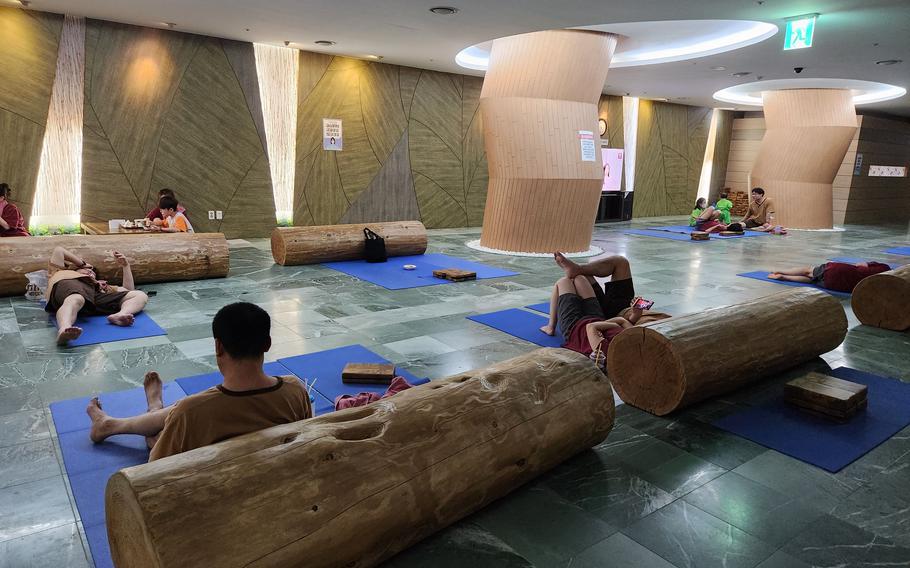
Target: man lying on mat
[
  {"x": 73, "y": 288},
  {"x": 247, "y": 399},
  {"x": 837, "y": 276}
]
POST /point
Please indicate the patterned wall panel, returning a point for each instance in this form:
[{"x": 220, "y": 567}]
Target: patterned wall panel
[
  {"x": 413, "y": 147},
  {"x": 721, "y": 153},
  {"x": 28, "y": 62},
  {"x": 165, "y": 109},
  {"x": 671, "y": 149}
]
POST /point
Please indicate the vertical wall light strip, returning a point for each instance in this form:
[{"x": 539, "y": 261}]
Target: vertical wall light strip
[
  {"x": 630, "y": 136},
  {"x": 707, "y": 165},
  {"x": 58, "y": 192},
  {"x": 276, "y": 68}
]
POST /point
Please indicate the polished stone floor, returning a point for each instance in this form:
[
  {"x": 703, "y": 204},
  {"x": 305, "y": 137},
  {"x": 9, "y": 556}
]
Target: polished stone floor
[{"x": 658, "y": 492}]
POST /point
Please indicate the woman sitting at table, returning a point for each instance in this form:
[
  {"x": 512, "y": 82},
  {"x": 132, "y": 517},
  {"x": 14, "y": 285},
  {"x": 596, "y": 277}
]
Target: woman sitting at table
[
  {"x": 155, "y": 215},
  {"x": 12, "y": 224}
]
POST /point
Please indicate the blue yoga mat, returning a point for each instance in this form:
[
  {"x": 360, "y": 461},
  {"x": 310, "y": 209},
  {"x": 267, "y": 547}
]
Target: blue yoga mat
[
  {"x": 543, "y": 307},
  {"x": 521, "y": 324},
  {"x": 97, "y": 542},
  {"x": 69, "y": 415},
  {"x": 905, "y": 251},
  {"x": 199, "y": 383},
  {"x": 821, "y": 442},
  {"x": 762, "y": 275},
  {"x": 325, "y": 368},
  {"x": 392, "y": 276},
  {"x": 686, "y": 229},
  {"x": 855, "y": 260},
  {"x": 96, "y": 329}
]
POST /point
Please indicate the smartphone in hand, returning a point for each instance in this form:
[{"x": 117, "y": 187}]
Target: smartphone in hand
[{"x": 643, "y": 304}]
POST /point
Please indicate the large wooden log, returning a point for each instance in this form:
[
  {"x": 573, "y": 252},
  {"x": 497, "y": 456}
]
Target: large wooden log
[
  {"x": 673, "y": 363},
  {"x": 354, "y": 487},
  {"x": 311, "y": 245},
  {"x": 883, "y": 300},
  {"x": 153, "y": 257}
]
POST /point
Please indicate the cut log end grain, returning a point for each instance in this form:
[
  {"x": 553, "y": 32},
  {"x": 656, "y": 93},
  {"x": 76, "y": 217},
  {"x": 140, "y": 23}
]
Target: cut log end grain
[{"x": 883, "y": 300}]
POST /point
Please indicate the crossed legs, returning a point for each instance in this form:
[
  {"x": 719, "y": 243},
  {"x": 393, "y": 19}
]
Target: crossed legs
[{"x": 150, "y": 424}]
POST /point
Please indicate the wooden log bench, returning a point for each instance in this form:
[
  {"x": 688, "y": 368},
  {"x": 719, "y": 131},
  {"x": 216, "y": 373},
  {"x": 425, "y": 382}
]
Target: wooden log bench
[
  {"x": 153, "y": 257},
  {"x": 355, "y": 487},
  {"x": 673, "y": 363},
  {"x": 329, "y": 243},
  {"x": 883, "y": 300}
]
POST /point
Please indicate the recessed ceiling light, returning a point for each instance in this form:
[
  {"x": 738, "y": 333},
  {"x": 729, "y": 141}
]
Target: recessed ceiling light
[
  {"x": 324, "y": 42},
  {"x": 171, "y": 25},
  {"x": 718, "y": 68},
  {"x": 741, "y": 74},
  {"x": 374, "y": 57},
  {"x": 444, "y": 10},
  {"x": 889, "y": 62}
]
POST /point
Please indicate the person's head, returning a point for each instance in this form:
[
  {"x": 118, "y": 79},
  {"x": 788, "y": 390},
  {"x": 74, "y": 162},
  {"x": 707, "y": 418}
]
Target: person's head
[
  {"x": 241, "y": 332},
  {"x": 700, "y": 203},
  {"x": 758, "y": 194},
  {"x": 165, "y": 192},
  {"x": 168, "y": 206},
  {"x": 5, "y": 191},
  {"x": 723, "y": 195}
]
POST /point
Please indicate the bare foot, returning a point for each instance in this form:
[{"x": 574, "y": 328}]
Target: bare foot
[
  {"x": 153, "y": 390},
  {"x": 571, "y": 268},
  {"x": 775, "y": 276},
  {"x": 68, "y": 335},
  {"x": 123, "y": 320},
  {"x": 100, "y": 421},
  {"x": 548, "y": 329}
]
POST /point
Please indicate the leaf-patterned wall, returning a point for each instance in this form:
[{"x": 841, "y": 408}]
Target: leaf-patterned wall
[
  {"x": 413, "y": 145},
  {"x": 28, "y": 63},
  {"x": 166, "y": 109}
]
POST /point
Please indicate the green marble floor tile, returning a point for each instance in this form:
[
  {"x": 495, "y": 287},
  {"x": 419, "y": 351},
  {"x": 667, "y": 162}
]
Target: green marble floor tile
[
  {"x": 19, "y": 427},
  {"x": 58, "y": 547},
  {"x": 682, "y": 474},
  {"x": 881, "y": 508},
  {"x": 32, "y": 507},
  {"x": 781, "y": 559},
  {"x": 618, "y": 551},
  {"x": 29, "y": 461},
  {"x": 833, "y": 542},
  {"x": 464, "y": 544},
  {"x": 690, "y": 538},
  {"x": 542, "y": 526}
]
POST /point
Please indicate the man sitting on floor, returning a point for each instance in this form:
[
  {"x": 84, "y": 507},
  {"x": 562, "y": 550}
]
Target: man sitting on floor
[
  {"x": 73, "y": 288},
  {"x": 247, "y": 399},
  {"x": 837, "y": 276},
  {"x": 760, "y": 216}
]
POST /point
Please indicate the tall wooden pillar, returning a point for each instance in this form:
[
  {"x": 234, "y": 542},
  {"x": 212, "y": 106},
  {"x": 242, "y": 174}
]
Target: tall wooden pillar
[
  {"x": 540, "y": 90},
  {"x": 808, "y": 132}
]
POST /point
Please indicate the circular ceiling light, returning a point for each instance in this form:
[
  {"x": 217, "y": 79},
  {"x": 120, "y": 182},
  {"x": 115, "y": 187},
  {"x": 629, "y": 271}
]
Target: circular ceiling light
[
  {"x": 864, "y": 92},
  {"x": 444, "y": 10},
  {"x": 649, "y": 43},
  {"x": 324, "y": 42}
]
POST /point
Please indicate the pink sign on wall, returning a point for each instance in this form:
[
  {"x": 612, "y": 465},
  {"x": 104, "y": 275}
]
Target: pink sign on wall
[{"x": 612, "y": 160}]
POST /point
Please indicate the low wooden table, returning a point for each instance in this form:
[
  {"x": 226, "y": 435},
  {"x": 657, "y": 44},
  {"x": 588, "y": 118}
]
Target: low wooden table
[{"x": 95, "y": 228}]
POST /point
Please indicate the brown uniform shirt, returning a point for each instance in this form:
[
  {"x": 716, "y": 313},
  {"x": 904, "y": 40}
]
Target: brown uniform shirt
[
  {"x": 760, "y": 212},
  {"x": 217, "y": 414}
]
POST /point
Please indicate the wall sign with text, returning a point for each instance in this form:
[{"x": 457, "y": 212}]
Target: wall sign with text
[
  {"x": 888, "y": 171},
  {"x": 586, "y": 138},
  {"x": 331, "y": 134}
]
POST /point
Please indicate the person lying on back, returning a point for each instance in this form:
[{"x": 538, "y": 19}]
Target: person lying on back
[{"x": 837, "y": 276}]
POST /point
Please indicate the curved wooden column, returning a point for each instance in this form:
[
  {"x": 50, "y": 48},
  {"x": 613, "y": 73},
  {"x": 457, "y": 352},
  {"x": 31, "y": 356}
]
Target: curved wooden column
[
  {"x": 808, "y": 133},
  {"x": 540, "y": 90}
]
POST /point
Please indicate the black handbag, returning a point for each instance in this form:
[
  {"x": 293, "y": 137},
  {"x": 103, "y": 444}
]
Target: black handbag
[{"x": 374, "y": 247}]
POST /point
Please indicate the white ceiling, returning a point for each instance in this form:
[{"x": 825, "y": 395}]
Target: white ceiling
[{"x": 851, "y": 35}]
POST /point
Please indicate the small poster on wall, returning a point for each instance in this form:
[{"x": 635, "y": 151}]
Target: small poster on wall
[
  {"x": 586, "y": 137},
  {"x": 331, "y": 134},
  {"x": 612, "y": 158}
]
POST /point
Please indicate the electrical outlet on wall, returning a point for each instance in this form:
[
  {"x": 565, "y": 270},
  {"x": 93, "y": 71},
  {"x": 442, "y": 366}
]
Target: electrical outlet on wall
[
  {"x": 219, "y": 215},
  {"x": 211, "y": 215}
]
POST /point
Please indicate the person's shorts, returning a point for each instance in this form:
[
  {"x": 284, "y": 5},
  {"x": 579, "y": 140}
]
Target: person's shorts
[
  {"x": 818, "y": 274},
  {"x": 96, "y": 303},
  {"x": 572, "y": 308},
  {"x": 707, "y": 224},
  {"x": 751, "y": 224},
  {"x": 615, "y": 296}
]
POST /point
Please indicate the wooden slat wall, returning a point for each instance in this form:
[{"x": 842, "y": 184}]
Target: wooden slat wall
[
  {"x": 876, "y": 200},
  {"x": 28, "y": 62},
  {"x": 413, "y": 145},
  {"x": 541, "y": 89},
  {"x": 167, "y": 109}
]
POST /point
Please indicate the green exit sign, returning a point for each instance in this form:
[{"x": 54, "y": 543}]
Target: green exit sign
[{"x": 799, "y": 32}]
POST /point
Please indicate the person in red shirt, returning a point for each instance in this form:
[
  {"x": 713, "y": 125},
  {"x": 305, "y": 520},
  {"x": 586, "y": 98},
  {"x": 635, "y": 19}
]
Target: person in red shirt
[
  {"x": 837, "y": 276},
  {"x": 12, "y": 224},
  {"x": 575, "y": 310}
]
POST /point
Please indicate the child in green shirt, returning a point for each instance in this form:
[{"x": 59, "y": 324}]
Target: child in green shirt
[
  {"x": 699, "y": 209},
  {"x": 724, "y": 205}
]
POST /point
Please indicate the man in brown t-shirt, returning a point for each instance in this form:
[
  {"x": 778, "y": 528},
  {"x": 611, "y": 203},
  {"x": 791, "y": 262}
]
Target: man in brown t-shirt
[
  {"x": 760, "y": 216},
  {"x": 247, "y": 400}
]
